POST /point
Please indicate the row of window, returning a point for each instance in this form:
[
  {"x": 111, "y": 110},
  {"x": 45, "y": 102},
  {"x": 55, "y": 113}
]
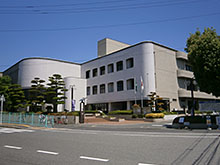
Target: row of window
[
  {"x": 110, "y": 68},
  {"x": 110, "y": 87}
]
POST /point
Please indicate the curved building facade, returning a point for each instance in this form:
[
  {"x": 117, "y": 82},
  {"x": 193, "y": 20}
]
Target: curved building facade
[{"x": 118, "y": 79}]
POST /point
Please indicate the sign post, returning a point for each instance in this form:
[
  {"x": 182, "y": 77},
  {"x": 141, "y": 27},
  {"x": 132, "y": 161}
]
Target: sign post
[{"x": 2, "y": 99}]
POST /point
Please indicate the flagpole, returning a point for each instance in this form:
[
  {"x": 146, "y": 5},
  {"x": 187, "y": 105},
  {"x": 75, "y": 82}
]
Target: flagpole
[
  {"x": 142, "y": 89},
  {"x": 135, "y": 91}
]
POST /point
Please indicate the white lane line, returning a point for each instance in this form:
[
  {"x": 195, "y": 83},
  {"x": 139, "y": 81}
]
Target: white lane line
[
  {"x": 13, "y": 147},
  {"x": 145, "y": 164},
  {"x": 47, "y": 152},
  {"x": 157, "y": 125},
  {"x": 166, "y": 136},
  {"x": 92, "y": 158}
]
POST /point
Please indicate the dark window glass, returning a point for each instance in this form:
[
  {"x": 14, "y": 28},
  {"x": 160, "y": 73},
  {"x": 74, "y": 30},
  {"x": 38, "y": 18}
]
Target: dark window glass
[
  {"x": 119, "y": 65},
  {"x": 130, "y": 84},
  {"x": 188, "y": 67},
  {"x": 88, "y": 74},
  {"x": 110, "y": 68},
  {"x": 120, "y": 86},
  {"x": 129, "y": 63},
  {"x": 102, "y": 88},
  {"x": 95, "y": 72},
  {"x": 88, "y": 91},
  {"x": 110, "y": 87},
  {"x": 102, "y": 70},
  {"x": 94, "y": 90}
]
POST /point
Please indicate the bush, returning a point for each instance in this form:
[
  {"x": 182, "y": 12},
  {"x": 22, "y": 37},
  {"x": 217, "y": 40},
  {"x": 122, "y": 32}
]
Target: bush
[
  {"x": 154, "y": 115},
  {"x": 75, "y": 113},
  {"x": 134, "y": 116},
  {"x": 170, "y": 113},
  {"x": 140, "y": 116},
  {"x": 92, "y": 111},
  {"x": 121, "y": 112}
]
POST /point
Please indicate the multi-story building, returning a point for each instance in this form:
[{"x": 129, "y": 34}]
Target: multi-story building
[{"x": 121, "y": 75}]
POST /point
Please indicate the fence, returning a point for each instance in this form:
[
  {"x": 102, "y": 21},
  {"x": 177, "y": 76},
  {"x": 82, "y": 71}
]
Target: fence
[{"x": 39, "y": 120}]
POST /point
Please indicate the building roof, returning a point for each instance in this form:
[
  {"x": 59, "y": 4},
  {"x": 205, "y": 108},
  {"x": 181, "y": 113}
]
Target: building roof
[{"x": 45, "y": 58}]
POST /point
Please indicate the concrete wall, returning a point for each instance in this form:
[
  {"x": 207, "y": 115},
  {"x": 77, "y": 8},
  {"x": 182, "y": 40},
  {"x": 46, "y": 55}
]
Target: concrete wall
[
  {"x": 43, "y": 68},
  {"x": 13, "y": 73},
  {"x": 107, "y": 46},
  {"x": 143, "y": 62},
  {"x": 79, "y": 91},
  {"x": 166, "y": 75}
]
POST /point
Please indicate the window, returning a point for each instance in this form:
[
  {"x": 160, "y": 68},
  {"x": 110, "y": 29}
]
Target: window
[
  {"x": 88, "y": 91},
  {"x": 120, "y": 86},
  {"x": 129, "y": 63},
  {"x": 102, "y": 70},
  {"x": 130, "y": 84},
  {"x": 102, "y": 88},
  {"x": 119, "y": 65},
  {"x": 88, "y": 74},
  {"x": 110, "y": 87},
  {"x": 95, "y": 72},
  {"x": 188, "y": 67},
  {"x": 110, "y": 68},
  {"x": 94, "y": 90}
]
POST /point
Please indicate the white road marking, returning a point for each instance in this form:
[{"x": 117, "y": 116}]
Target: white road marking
[
  {"x": 13, "y": 130},
  {"x": 157, "y": 125},
  {"x": 47, "y": 152},
  {"x": 13, "y": 147},
  {"x": 92, "y": 158},
  {"x": 166, "y": 136},
  {"x": 145, "y": 164}
]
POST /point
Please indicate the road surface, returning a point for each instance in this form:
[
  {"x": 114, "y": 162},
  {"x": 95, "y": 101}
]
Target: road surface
[{"x": 100, "y": 147}]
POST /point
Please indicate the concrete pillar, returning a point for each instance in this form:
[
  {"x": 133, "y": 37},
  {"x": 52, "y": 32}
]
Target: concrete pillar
[
  {"x": 128, "y": 105},
  {"x": 109, "y": 107}
]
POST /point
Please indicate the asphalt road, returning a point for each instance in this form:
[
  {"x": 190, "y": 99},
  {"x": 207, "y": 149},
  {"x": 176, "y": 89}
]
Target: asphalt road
[{"x": 94, "y": 147}]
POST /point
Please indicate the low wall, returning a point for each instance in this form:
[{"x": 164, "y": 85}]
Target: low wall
[{"x": 66, "y": 119}]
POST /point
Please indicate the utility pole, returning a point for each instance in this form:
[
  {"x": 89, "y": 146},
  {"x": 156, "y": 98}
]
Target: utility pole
[{"x": 2, "y": 99}]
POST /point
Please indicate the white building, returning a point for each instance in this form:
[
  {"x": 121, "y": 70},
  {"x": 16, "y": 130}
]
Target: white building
[{"x": 108, "y": 82}]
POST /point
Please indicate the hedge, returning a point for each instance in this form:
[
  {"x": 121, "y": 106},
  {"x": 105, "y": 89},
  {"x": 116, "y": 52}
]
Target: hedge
[
  {"x": 121, "y": 112},
  {"x": 154, "y": 115}
]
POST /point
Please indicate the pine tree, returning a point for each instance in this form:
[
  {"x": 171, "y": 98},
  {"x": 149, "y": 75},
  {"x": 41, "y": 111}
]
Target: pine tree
[
  {"x": 16, "y": 98},
  {"x": 56, "y": 90},
  {"x": 37, "y": 94}
]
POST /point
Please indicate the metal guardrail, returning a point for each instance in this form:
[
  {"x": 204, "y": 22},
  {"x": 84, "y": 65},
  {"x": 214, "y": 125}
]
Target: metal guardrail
[{"x": 38, "y": 120}]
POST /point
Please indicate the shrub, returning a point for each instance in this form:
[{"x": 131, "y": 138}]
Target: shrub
[
  {"x": 170, "y": 113},
  {"x": 154, "y": 115},
  {"x": 75, "y": 113},
  {"x": 140, "y": 116},
  {"x": 121, "y": 112},
  {"x": 134, "y": 116},
  {"x": 92, "y": 111}
]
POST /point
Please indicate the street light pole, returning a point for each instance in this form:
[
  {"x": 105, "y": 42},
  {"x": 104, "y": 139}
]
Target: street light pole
[
  {"x": 2, "y": 99},
  {"x": 72, "y": 87}
]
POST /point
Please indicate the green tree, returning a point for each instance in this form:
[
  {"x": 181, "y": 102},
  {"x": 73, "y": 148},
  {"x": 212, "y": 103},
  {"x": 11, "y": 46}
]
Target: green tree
[
  {"x": 37, "y": 94},
  {"x": 55, "y": 91},
  {"x": 204, "y": 55},
  {"x": 16, "y": 98},
  {"x": 5, "y": 83}
]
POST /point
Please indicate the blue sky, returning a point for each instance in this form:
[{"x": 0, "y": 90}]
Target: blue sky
[{"x": 69, "y": 29}]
